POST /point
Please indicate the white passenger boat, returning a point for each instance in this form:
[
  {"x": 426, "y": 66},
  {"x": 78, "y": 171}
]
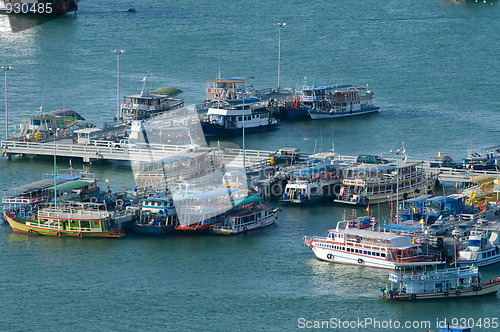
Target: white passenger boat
[
  {"x": 335, "y": 101},
  {"x": 232, "y": 116},
  {"x": 369, "y": 184},
  {"x": 368, "y": 248},
  {"x": 483, "y": 248},
  {"x": 250, "y": 213},
  {"x": 145, "y": 105},
  {"x": 450, "y": 283}
]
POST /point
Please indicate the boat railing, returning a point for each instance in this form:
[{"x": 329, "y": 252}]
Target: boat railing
[
  {"x": 436, "y": 275},
  {"x": 20, "y": 200}
]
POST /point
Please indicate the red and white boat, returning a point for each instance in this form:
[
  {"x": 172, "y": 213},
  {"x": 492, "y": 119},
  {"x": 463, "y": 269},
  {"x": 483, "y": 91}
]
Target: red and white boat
[{"x": 368, "y": 248}]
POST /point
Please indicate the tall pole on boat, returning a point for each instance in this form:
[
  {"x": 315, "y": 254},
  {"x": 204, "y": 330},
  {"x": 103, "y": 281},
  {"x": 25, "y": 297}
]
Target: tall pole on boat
[
  {"x": 244, "y": 154},
  {"x": 397, "y": 153},
  {"x": 117, "y": 53},
  {"x": 279, "y": 26},
  {"x": 54, "y": 133},
  {"x": 5, "y": 69}
]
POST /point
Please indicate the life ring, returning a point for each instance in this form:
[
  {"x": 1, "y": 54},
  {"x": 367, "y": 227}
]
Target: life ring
[
  {"x": 457, "y": 292},
  {"x": 93, "y": 200},
  {"x": 475, "y": 288},
  {"x": 279, "y": 190},
  {"x": 59, "y": 234},
  {"x": 446, "y": 293},
  {"x": 413, "y": 296},
  {"x": 405, "y": 195},
  {"x": 30, "y": 231},
  {"x": 367, "y": 200},
  {"x": 245, "y": 229},
  {"x": 80, "y": 235},
  {"x": 417, "y": 191},
  {"x": 329, "y": 256},
  {"x": 119, "y": 202},
  {"x": 360, "y": 261},
  {"x": 479, "y": 288},
  {"x": 310, "y": 246}
]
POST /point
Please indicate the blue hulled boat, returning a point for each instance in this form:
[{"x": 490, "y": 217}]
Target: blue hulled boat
[{"x": 158, "y": 216}]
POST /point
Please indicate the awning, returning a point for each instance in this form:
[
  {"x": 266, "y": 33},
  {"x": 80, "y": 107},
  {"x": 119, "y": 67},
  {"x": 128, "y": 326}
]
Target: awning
[{"x": 70, "y": 185}]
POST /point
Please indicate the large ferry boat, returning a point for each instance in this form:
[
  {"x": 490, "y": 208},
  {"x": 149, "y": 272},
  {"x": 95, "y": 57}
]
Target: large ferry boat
[
  {"x": 332, "y": 101},
  {"x": 368, "y": 248},
  {"x": 72, "y": 220},
  {"x": 369, "y": 184},
  {"x": 313, "y": 183},
  {"x": 234, "y": 115},
  {"x": 449, "y": 283}
]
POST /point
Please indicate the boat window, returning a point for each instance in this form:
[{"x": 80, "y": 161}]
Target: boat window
[
  {"x": 383, "y": 254},
  {"x": 378, "y": 254},
  {"x": 240, "y": 118}
]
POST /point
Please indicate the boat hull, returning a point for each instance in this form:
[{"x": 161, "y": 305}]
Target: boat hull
[
  {"x": 297, "y": 113},
  {"x": 216, "y": 130},
  {"x": 18, "y": 226},
  {"x": 479, "y": 262},
  {"x": 316, "y": 115},
  {"x": 152, "y": 229},
  {"x": 486, "y": 289}
]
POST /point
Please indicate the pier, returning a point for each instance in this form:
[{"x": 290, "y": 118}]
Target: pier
[{"x": 96, "y": 150}]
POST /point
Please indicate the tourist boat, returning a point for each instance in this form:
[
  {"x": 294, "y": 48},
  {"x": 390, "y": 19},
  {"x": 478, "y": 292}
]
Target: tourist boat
[
  {"x": 146, "y": 105},
  {"x": 483, "y": 248},
  {"x": 72, "y": 220},
  {"x": 370, "y": 184},
  {"x": 232, "y": 116},
  {"x": 449, "y": 283},
  {"x": 248, "y": 214},
  {"x": 42, "y": 125},
  {"x": 157, "y": 216},
  {"x": 221, "y": 90},
  {"x": 368, "y": 248},
  {"x": 313, "y": 183},
  {"x": 24, "y": 200},
  {"x": 332, "y": 101}
]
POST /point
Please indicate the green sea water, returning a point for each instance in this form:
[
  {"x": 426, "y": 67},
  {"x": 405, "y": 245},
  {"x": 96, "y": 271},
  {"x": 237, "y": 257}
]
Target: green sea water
[{"x": 433, "y": 66}]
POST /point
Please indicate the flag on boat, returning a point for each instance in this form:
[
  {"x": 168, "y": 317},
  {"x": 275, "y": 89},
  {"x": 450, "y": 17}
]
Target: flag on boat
[
  {"x": 341, "y": 192},
  {"x": 403, "y": 148},
  {"x": 144, "y": 78},
  {"x": 40, "y": 109},
  {"x": 368, "y": 209}
]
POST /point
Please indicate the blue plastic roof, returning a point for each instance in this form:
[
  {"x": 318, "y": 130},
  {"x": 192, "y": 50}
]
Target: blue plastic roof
[
  {"x": 248, "y": 100},
  {"x": 417, "y": 199},
  {"x": 442, "y": 199},
  {"x": 326, "y": 87},
  {"x": 325, "y": 166},
  {"x": 399, "y": 227}
]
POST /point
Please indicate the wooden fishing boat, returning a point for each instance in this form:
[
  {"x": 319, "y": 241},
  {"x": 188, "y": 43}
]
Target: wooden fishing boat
[{"x": 72, "y": 220}]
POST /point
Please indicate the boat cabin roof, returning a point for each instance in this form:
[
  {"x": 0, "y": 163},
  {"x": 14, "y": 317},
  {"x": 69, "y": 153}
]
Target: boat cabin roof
[
  {"x": 397, "y": 241},
  {"x": 326, "y": 87}
]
